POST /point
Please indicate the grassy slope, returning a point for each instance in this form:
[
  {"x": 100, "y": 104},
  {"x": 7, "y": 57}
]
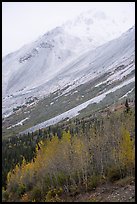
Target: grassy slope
[{"x": 44, "y": 110}]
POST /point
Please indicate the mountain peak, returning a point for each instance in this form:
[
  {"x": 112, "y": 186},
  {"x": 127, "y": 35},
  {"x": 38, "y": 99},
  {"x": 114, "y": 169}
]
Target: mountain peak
[
  {"x": 41, "y": 61},
  {"x": 98, "y": 25}
]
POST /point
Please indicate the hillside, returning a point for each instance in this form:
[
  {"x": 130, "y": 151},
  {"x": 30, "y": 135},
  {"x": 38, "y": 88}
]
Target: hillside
[
  {"x": 91, "y": 153},
  {"x": 89, "y": 82}
]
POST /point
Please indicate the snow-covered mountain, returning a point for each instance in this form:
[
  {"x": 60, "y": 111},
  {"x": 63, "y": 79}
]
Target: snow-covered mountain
[
  {"x": 39, "y": 61},
  {"x": 94, "y": 48},
  {"x": 96, "y": 27},
  {"x": 115, "y": 60}
]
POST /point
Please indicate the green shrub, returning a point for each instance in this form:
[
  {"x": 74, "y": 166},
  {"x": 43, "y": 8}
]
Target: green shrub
[
  {"x": 74, "y": 190},
  {"x": 36, "y": 194},
  {"x": 12, "y": 186},
  {"x": 61, "y": 178},
  {"x": 46, "y": 184},
  {"x": 5, "y": 195},
  {"x": 93, "y": 181},
  {"x": 116, "y": 173},
  {"x": 125, "y": 181},
  {"x": 53, "y": 195},
  {"x": 21, "y": 190}
]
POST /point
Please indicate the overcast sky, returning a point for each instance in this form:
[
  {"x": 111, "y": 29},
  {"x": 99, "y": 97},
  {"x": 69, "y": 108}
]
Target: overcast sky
[{"x": 24, "y": 22}]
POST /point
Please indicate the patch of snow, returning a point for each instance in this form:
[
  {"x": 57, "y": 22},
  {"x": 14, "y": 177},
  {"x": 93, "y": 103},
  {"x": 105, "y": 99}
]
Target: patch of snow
[
  {"x": 101, "y": 83},
  {"x": 125, "y": 95},
  {"x": 67, "y": 94},
  {"x": 75, "y": 111},
  {"x": 7, "y": 115},
  {"x": 75, "y": 91},
  {"x": 118, "y": 75},
  {"x": 19, "y": 123}
]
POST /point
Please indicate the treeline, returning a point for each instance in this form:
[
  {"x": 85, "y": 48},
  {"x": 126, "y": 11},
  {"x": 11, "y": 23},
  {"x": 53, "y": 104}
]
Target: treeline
[{"x": 74, "y": 158}]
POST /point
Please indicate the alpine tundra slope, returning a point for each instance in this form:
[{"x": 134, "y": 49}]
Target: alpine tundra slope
[{"x": 65, "y": 71}]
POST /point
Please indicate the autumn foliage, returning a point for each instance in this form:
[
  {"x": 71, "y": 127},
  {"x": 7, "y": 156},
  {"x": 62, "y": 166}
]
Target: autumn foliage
[{"x": 74, "y": 163}]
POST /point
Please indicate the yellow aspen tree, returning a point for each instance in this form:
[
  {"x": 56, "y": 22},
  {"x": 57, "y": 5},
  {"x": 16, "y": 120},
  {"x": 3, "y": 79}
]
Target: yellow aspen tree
[{"x": 126, "y": 154}]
